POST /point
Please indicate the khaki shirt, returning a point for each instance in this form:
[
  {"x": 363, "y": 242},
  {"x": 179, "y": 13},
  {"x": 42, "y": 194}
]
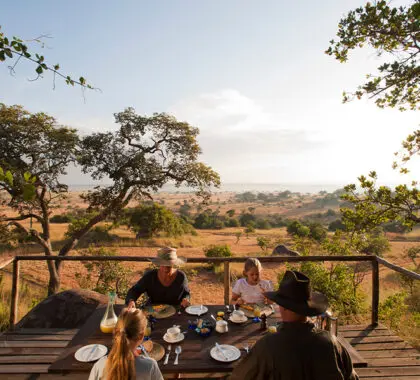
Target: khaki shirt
[{"x": 297, "y": 351}]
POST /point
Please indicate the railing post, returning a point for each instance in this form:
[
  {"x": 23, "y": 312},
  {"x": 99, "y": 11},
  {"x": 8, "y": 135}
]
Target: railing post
[
  {"x": 227, "y": 282},
  {"x": 375, "y": 292},
  {"x": 15, "y": 294}
]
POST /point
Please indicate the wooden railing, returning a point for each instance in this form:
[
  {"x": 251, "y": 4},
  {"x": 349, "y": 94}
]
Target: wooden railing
[{"x": 375, "y": 261}]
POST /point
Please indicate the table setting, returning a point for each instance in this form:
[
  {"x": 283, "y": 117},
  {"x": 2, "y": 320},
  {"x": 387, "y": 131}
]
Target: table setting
[{"x": 199, "y": 338}]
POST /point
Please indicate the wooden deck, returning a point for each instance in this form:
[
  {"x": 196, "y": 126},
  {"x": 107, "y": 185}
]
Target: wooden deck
[
  {"x": 26, "y": 354},
  {"x": 388, "y": 356}
]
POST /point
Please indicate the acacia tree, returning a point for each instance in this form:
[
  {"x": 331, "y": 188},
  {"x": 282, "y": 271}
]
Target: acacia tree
[
  {"x": 391, "y": 31},
  {"x": 138, "y": 159},
  {"x": 394, "y": 33}
]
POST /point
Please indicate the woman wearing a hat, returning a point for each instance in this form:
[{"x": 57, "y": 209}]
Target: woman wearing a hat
[
  {"x": 298, "y": 351},
  {"x": 165, "y": 285}
]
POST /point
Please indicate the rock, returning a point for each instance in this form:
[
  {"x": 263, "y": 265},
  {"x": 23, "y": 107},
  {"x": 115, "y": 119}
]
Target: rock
[
  {"x": 68, "y": 309},
  {"x": 282, "y": 250}
]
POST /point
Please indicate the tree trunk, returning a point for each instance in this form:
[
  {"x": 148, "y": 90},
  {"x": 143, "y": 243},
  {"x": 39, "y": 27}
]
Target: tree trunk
[{"x": 55, "y": 281}]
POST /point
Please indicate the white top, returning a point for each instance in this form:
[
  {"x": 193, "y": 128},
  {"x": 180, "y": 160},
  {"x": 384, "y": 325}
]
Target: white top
[
  {"x": 146, "y": 369},
  {"x": 252, "y": 293}
]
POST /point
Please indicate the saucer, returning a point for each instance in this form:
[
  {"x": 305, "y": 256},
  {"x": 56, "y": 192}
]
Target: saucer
[
  {"x": 242, "y": 320},
  {"x": 179, "y": 338}
]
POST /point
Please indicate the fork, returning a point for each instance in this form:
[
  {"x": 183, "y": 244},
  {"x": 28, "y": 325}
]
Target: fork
[
  {"x": 167, "y": 355},
  {"x": 178, "y": 350}
]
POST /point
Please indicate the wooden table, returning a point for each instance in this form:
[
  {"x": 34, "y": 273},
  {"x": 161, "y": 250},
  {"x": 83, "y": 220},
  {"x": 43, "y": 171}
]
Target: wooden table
[{"x": 195, "y": 356}]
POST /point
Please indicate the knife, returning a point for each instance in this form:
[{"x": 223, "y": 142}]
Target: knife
[
  {"x": 89, "y": 355},
  {"x": 221, "y": 351}
]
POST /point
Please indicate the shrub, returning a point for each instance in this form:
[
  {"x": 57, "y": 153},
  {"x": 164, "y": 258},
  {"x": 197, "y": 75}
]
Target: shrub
[
  {"x": 218, "y": 251},
  {"x": 317, "y": 232},
  {"x": 232, "y": 223},
  {"x": 97, "y": 235},
  {"x": 104, "y": 276},
  {"x": 64, "y": 218},
  {"x": 263, "y": 224},
  {"x": 392, "y": 309},
  {"x": 336, "y": 283},
  {"x": 297, "y": 228},
  {"x": 149, "y": 220},
  {"x": 336, "y": 225}
]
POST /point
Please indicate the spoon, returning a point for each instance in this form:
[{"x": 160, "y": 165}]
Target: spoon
[{"x": 178, "y": 350}]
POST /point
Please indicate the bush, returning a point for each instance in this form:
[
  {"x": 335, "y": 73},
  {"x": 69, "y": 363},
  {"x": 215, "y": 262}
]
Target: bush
[
  {"x": 298, "y": 229},
  {"x": 232, "y": 223},
  {"x": 104, "y": 276},
  {"x": 317, "y": 232},
  {"x": 97, "y": 235},
  {"x": 263, "y": 224},
  {"x": 392, "y": 309},
  {"x": 336, "y": 225},
  {"x": 246, "y": 218},
  {"x": 218, "y": 251},
  {"x": 336, "y": 284},
  {"x": 65, "y": 218},
  {"x": 150, "y": 220}
]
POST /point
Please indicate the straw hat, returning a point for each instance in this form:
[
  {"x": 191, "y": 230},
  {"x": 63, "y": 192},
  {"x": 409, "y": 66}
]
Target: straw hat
[
  {"x": 295, "y": 294},
  {"x": 167, "y": 256}
]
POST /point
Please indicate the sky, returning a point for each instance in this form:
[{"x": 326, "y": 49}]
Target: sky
[{"x": 252, "y": 75}]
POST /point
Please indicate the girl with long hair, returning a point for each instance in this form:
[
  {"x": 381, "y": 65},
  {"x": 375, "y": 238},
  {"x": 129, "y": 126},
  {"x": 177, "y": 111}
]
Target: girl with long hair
[{"x": 123, "y": 361}]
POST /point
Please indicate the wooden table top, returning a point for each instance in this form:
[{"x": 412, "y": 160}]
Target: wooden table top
[{"x": 195, "y": 356}]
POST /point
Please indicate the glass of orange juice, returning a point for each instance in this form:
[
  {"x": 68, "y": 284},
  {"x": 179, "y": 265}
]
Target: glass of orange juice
[
  {"x": 107, "y": 328},
  {"x": 147, "y": 331},
  {"x": 257, "y": 312}
]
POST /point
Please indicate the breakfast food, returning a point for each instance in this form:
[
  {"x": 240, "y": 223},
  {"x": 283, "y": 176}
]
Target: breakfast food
[
  {"x": 148, "y": 345},
  {"x": 158, "y": 308},
  {"x": 247, "y": 307}
]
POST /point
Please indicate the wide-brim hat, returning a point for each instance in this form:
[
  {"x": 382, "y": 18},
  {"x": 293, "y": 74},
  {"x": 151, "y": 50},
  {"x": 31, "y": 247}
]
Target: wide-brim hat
[
  {"x": 295, "y": 294},
  {"x": 167, "y": 257}
]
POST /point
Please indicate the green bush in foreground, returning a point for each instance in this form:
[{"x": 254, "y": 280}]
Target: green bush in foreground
[{"x": 218, "y": 251}]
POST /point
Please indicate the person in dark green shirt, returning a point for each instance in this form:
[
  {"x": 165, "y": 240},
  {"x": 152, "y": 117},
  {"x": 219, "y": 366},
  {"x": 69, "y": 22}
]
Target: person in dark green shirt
[{"x": 298, "y": 351}]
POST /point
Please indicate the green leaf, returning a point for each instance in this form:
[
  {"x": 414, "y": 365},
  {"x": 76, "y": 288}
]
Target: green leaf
[
  {"x": 26, "y": 176},
  {"x": 9, "y": 178},
  {"x": 39, "y": 69}
]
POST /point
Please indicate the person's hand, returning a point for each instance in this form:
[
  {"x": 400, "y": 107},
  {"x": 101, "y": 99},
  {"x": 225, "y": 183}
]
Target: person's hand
[
  {"x": 239, "y": 301},
  {"x": 185, "y": 303},
  {"x": 131, "y": 305}
]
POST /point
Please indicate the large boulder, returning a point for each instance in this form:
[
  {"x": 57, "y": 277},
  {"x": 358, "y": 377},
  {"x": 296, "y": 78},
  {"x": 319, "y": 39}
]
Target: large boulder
[
  {"x": 282, "y": 250},
  {"x": 68, "y": 309}
]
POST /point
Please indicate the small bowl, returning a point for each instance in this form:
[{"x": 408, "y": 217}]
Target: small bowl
[{"x": 206, "y": 328}]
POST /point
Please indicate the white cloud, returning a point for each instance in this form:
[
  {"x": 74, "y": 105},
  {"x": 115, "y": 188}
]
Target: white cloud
[{"x": 319, "y": 141}]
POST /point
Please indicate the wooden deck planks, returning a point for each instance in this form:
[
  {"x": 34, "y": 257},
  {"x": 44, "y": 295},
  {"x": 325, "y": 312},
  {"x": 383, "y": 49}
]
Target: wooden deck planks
[
  {"x": 30, "y": 352},
  {"x": 388, "y": 356}
]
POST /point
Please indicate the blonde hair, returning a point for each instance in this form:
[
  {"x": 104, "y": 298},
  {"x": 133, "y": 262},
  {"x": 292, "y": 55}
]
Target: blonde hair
[
  {"x": 252, "y": 263},
  {"x": 130, "y": 328}
]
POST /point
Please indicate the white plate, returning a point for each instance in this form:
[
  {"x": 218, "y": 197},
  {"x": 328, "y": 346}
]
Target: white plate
[
  {"x": 196, "y": 310},
  {"x": 90, "y": 352},
  {"x": 243, "y": 320},
  {"x": 176, "y": 340},
  {"x": 225, "y": 353}
]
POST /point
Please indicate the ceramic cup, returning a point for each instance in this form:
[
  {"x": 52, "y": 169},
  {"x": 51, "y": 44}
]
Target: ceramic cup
[
  {"x": 238, "y": 315},
  {"x": 221, "y": 326},
  {"x": 173, "y": 332}
]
